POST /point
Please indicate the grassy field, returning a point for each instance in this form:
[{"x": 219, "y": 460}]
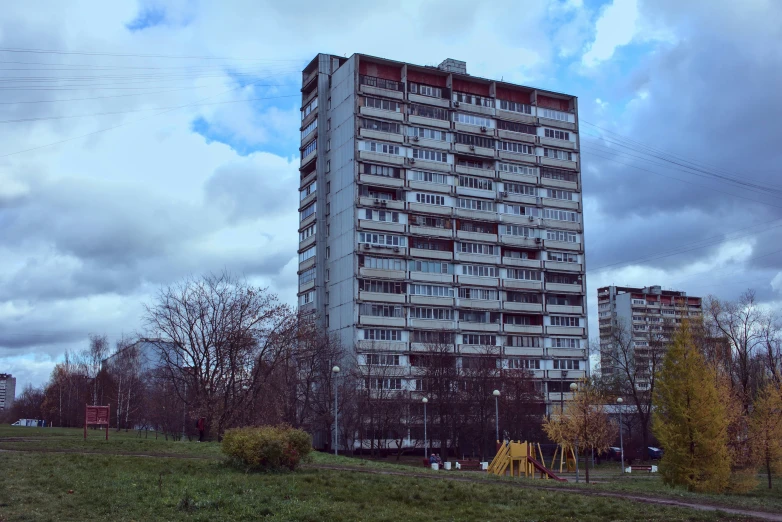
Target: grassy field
[{"x": 44, "y": 485}]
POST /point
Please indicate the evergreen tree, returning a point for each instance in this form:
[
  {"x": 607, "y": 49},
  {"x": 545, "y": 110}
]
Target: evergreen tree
[{"x": 691, "y": 420}]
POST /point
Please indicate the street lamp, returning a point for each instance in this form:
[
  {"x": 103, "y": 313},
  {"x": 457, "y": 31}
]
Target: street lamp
[
  {"x": 619, "y": 401},
  {"x": 573, "y": 388},
  {"x": 562, "y": 393},
  {"x": 496, "y": 394},
  {"x": 426, "y": 441},
  {"x": 335, "y": 371}
]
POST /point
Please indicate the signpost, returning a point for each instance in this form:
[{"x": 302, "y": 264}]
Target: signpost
[{"x": 97, "y": 416}]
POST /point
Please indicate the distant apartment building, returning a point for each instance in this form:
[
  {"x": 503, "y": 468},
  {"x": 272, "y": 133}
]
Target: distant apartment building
[
  {"x": 7, "y": 391},
  {"x": 436, "y": 205},
  {"x": 647, "y": 318}
]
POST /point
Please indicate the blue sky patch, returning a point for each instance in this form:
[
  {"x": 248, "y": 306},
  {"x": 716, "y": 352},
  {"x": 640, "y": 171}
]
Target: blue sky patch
[{"x": 148, "y": 17}]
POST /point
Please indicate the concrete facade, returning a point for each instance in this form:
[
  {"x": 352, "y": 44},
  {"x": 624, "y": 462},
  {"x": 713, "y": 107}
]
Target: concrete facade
[
  {"x": 434, "y": 201},
  {"x": 7, "y": 391}
]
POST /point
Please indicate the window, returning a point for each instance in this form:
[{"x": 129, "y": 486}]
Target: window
[
  {"x": 431, "y": 290},
  {"x": 557, "y": 154},
  {"x": 563, "y": 257},
  {"x": 382, "y": 239},
  {"x": 563, "y": 300},
  {"x": 516, "y": 169},
  {"x": 559, "y": 194},
  {"x": 560, "y": 215},
  {"x": 520, "y": 210},
  {"x": 441, "y": 314},
  {"x": 474, "y": 140},
  {"x": 381, "y": 359},
  {"x": 380, "y": 310},
  {"x": 432, "y": 337},
  {"x": 383, "y": 148},
  {"x": 473, "y": 99},
  {"x": 310, "y": 252},
  {"x": 473, "y": 164},
  {"x": 309, "y": 148},
  {"x": 430, "y": 155},
  {"x": 552, "y": 114},
  {"x": 429, "y": 199},
  {"x": 430, "y": 134},
  {"x": 557, "y": 134},
  {"x": 524, "y": 341},
  {"x": 376, "y": 193},
  {"x": 523, "y": 297},
  {"x": 309, "y": 128},
  {"x": 311, "y": 106},
  {"x": 383, "y": 263},
  {"x": 376, "y": 334},
  {"x": 517, "y": 148},
  {"x": 380, "y": 83},
  {"x": 428, "y": 221},
  {"x": 480, "y": 270},
  {"x": 639, "y": 301},
  {"x": 383, "y": 105},
  {"x": 427, "y": 111},
  {"x": 477, "y": 226},
  {"x": 515, "y": 107},
  {"x": 566, "y": 364},
  {"x": 518, "y": 230},
  {"x": 520, "y": 188},
  {"x": 478, "y": 248},
  {"x": 563, "y": 320},
  {"x": 519, "y": 254},
  {"x": 307, "y": 211},
  {"x": 477, "y": 204},
  {"x": 471, "y": 119},
  {"x": 307, "y": 298},
  {"x": 381, "y": 170},
  {"x": 476, "y": 183},
  {"x": 523, "y": 274},
  {"x": 382, "y": 126},
  {"x": 517, "y": 127},
  {"x": 478, "y": 363},
  {"x": 307, "y": 232},
  {"x": 478, "y": 293},
  {"x": 307, "y": 276},
  {"x": 431, "y": 244},
  {"x": 559, "y": 174},
  {"x": 562, "y": 279},
  {"x": 382, "y": 287},
  {"x": 484, "y": 339},
  {"x": 431, "y": 267},
  {"x": 514, "y": 363},
  {"x": 306, "y": 191},
  {"x": 381, "y": 215},
  {"x": 561, "y": 235},
  {"x": 428, "y": 177},
  {"x": 425, "y": 90}
]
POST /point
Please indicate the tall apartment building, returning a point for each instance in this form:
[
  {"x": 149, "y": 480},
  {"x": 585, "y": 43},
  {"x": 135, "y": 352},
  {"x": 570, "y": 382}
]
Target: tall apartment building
[
  {"x": 439, "y": 206},
  {"x": 7, "y": 391},
  {"x": 648, "y": 317}
]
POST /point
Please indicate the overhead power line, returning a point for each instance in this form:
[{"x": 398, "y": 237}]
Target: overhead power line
[{"x": 132, "y": 55}]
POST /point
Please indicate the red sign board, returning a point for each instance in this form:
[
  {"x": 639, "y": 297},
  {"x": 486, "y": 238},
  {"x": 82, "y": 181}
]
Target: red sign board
[{"x": 97, "y": 415}]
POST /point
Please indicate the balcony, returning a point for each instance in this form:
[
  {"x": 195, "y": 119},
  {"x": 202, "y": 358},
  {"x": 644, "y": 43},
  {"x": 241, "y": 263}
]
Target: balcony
[
  {"x": 522, "y": 329},
  {"x": 429, "y": 300},
  {"x": 528, "y": 221},
  {"x": 525, "y": 263},
  {"x": 429, "y": 187},
  {"x": 563, "y": 267},
  {"x": 309, "y": 285},
  {"x": 424, "y": 208},
  {"x": 515, "y": 116},
  {"x": 383, "y": 204},
  {"x": 431, "y": 231},
  {"x": 519, "y": 350},
  {"x": 558, "y": 144},
  {"x": 516, "y": 136},
  {"x": 431, "y": 254},
  {"x": 431, "y": 278},
  {"x": 479, "y": 327},
  {"x": 516, "y": 284},
  {"x": 382, "y": 274},
  {"x": 476, "y": 214},
  {"x": 558, "y": 183},
  {"x": 474, "y": 129},
  {"x": 478, "y": 281},
  {"x": 478, "y": 304},
  {"x": 513, "y": 197},
  {"x": 371, "y": 112},
  {"x": 432, "y": 324},
  {"x": 308, "y": 220},
  {"x": 566, "y": 288},
  {"x": 384, "y": 346},
  {"x": 369, "y": 320},
  {"x": 517, "y": 156},
  {"x": 429, "y": 100},
  {"x": 565, "y": 330},
  {"x": 476, "y": 258},
  {"x": 522, "y": 307},
  {"x": 572, "y": 375},
  {"x": 478, "y": 349},
  {"x": 563, "y": 245},
  {"x": 382, "y": 297},
  {"x": 557, "y": 123},
  {"x": 366, "y": 155},
  {"x": 476, "y": 236},
  {"x": 475, "y": 109},
  {"x": 368, "y": 224},
  {"x": 307, "y": 243},
  {"x": 562, "y": 203},
  {"x": 308, "y": 158},
  {"x": 429, "y": 144},
  {"x": 476, "y": 151},
  {"x": 564, "y": 309},
  {"x": 377, "y": 91},
  {"x": 309, "y": 263},
  {"x": 379, "y": 135},
  {"x": 562, "y": 225},
  {"x": 383, "y": 181},
  {"x": 473, "y": 171},
  {"x": 526, "y": 242},
  {"x": 437, "y": 166},
  {"x": 558, "y": 163},
  {"x": 431, "y": 122},
  {"x": 520, "y": 178},
  {"x": 566, "y": 352}
]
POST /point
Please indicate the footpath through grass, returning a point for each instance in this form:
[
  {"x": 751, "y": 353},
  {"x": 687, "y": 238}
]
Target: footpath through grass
[{"x": 107, "y": 482}]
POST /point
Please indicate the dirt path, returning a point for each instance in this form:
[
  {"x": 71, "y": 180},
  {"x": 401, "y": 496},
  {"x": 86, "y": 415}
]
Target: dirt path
[{"x": 463, "y": 477}]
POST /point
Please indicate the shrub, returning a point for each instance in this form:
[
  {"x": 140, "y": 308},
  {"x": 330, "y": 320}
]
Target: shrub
[{"x": 267, "y": 447}]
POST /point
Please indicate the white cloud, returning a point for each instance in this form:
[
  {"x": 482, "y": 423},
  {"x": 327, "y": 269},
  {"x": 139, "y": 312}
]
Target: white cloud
[{"x": 616, "y": 26}]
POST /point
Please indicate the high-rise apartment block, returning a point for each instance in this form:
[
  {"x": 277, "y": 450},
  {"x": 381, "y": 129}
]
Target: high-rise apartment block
[
  {"x": 436, "y": 206},
  {"x": 7, "y": 391},
  {"x": 643, "y": 318}
]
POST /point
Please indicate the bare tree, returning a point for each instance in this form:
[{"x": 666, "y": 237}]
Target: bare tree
[{"x": 93, "y": 358}]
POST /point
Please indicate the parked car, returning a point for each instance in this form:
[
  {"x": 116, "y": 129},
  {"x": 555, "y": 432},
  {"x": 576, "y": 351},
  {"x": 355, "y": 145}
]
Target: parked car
[
  {"x": 654, "y": 453},
  {"x": 28, "y": 423},
  {"x": 614, "y": 453}
]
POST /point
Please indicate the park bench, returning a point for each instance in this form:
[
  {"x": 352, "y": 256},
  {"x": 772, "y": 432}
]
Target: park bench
[
  {"x": 640, "y": 467},
  {"x": 468, "y": 465}
]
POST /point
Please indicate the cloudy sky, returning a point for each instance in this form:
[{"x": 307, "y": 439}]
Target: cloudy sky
[{"x": 141, "y": 142}]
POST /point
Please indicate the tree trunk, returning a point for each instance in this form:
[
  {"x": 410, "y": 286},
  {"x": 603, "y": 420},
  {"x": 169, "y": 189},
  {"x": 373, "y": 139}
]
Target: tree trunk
[
  {"x": 768, "y": 469},
  {"x": 586, "y": 464}
]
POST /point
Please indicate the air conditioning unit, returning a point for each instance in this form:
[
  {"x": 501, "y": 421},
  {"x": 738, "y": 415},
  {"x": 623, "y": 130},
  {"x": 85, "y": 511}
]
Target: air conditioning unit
[
  {"x": 383, "y": 203},
  {"x": 377, "y": 201},
  {"x": 416, "y": 138},
  {"x": 456, "y": 104},
  {"x": 411, "y": 161},
  {"x": 483, "y": 129},
  {"x": 396, "y": 249},
  {"x": 367, "y": 246},
  {"x": 472, "y": 147},
  {"x": 532, "y": 218},
  {"x": 538, "y": 240},
  {"x": 504, "y": 194}
]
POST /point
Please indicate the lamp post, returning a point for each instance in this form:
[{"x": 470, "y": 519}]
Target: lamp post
[
  {"x": 335, "y": 371},
  {"x": 562, "y": 393},
  {"x": 573, "y": 388},
  {"x": 619, "y": 401},
  {"x": 496, "y": 394},
  {"x": 426, "y": 441}
]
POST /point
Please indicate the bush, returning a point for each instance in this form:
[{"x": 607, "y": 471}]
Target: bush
[{"x": 268, "y": 447}]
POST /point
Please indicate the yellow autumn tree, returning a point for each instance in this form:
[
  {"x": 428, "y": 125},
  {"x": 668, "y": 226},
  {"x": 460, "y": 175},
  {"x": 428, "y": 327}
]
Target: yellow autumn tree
[
  {"x": 584, "y": 423},
  {"x": 765, "y": 428},
  {"x": 691, "y": 420}
]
